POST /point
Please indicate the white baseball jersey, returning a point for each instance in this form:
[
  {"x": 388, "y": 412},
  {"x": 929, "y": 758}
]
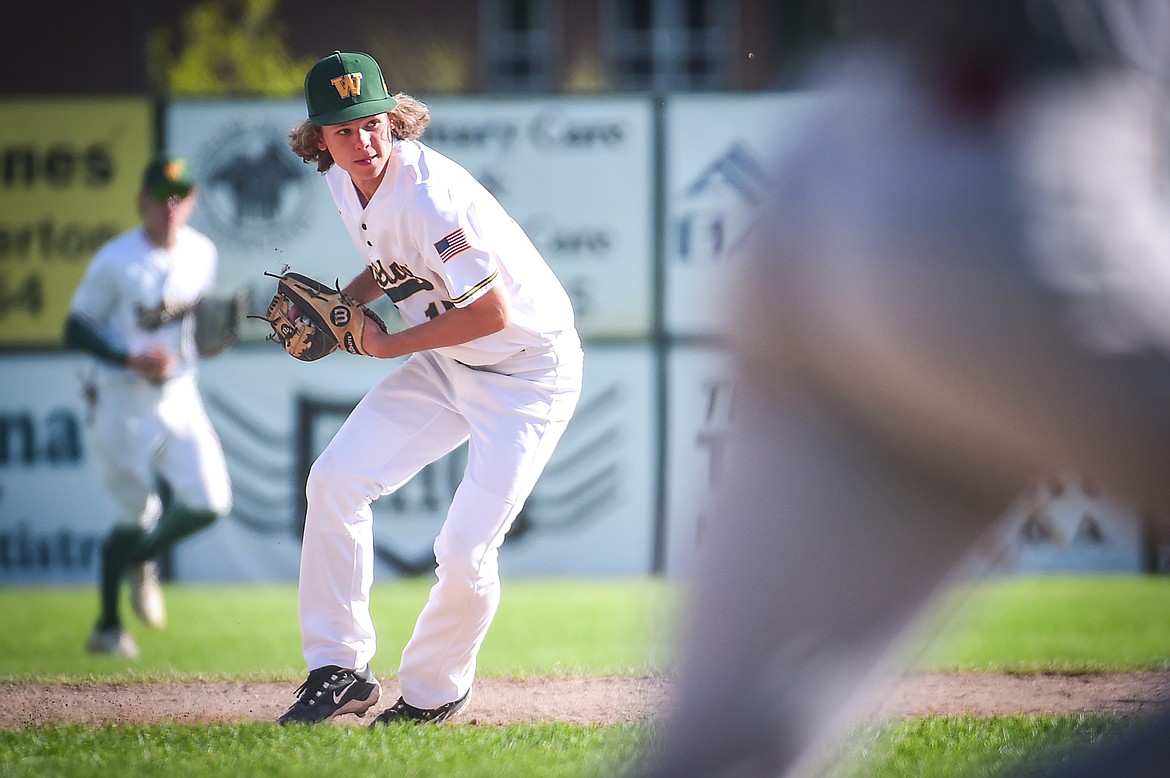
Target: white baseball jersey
[
  {"x": 136, "y": 295},
  {"x": 435, "y": 238}
]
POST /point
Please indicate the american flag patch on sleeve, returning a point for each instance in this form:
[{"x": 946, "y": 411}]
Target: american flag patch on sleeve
[{"x": 452, "y": 245}]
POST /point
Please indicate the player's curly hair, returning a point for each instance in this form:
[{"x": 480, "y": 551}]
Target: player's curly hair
[{"x": 408, "y": 121}]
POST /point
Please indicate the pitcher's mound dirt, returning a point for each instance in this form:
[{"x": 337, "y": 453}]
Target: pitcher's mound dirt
[{"x": 609, "y": 700}]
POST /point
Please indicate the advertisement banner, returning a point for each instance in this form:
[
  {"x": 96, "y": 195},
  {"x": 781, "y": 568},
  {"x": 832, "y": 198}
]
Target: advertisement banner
[
  {"x": 69, "y": 182},
  {"x": 54, "y": 508},
  {"x": 1066, "y": 525},
  {"x": 592, "y": 513},
  {"x": 576, "y": 174},
  {"x": 717, "y": 172},
  {"x": 702, "y": 396},
  {"x": 1063, "y": 525},
  {"x": 264, "y": 208}
]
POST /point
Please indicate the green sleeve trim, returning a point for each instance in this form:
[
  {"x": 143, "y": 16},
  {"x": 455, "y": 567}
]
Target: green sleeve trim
[{"x": 80, "y": 335}]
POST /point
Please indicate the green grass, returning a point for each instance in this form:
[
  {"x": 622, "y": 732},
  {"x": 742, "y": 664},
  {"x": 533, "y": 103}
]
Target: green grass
[
  {"x": 547, "y": 627},
  {"x": 267, "y": 750},
  {"x": 1059, "y": 623},
  {"x": 551, "y": 627},
  {"x": 967, "y": 746},
  {"x": 565, "y": 627}
]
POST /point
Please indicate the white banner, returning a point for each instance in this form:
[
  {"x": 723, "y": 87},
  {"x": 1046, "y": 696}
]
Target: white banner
[
  {"x": 592, "y": 512},
  {"x": 699, "y": 420},
  {"x": 1065, "y": 526},
  {"x": 722, "y": 152},
  {"x": 1062, "y": 526},
  {"x": 575, "y": 173},
  {"x": 261, "y": 204},
  {"x": 54, "y": 509}
]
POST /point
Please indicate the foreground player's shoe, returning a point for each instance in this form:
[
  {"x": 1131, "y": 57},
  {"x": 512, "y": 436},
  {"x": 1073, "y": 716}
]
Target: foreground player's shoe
[
  {"x": 112, "y": 640},
  {"x": 146, "y": 595},
  {"x": 401, "y": 711},
  {"x": 332, "y": 691}
]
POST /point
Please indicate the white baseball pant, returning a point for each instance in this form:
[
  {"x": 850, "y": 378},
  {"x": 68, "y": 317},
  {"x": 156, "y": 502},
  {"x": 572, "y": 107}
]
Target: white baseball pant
[
  {"x": 142, "y": 430},
  {"x": 421, "y": 411}
]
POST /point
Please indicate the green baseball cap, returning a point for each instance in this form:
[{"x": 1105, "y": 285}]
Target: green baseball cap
[
  {"x": 344, "y": 86},
  {"x": 167, "y": 176}
]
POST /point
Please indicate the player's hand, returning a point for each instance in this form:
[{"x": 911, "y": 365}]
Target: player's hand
[{"x": 155, "y": 364}]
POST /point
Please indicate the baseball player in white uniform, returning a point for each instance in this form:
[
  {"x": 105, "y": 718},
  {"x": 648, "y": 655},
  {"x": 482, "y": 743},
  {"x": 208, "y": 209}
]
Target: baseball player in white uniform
[
  {"x": 134, "y": 311},
  {"x": 959, "y": 287},
  {"x": 494, "y": 359}
]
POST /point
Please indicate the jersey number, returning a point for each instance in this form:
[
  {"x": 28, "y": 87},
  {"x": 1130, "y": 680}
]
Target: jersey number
[{"x": 433, "y": 310}]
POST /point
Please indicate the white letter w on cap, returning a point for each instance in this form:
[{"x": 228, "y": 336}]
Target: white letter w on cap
[{"x": 350, "y": 83}]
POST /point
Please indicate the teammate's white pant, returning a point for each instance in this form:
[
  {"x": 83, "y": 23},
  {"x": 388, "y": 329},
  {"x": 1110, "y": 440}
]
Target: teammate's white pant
[
  {"x": 421, "y": 411},
  {"x": 141, "y": 430}
]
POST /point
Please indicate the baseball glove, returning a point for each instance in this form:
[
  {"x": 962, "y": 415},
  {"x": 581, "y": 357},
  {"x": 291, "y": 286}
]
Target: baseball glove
[
  {"x": 217, "y": 321},
  {"x": 311, "y": 320}
]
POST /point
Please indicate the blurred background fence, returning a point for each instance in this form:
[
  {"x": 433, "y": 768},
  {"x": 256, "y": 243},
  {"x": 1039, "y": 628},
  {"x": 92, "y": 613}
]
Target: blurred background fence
[{"x": 632, "y": 140}]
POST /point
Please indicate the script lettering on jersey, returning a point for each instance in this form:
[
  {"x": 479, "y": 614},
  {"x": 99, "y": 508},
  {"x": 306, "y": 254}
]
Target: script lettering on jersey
[
  {"x": 151, "y": 319},
  {"x": 398, "y": 282},
  {"x": 348, "y": 84}
]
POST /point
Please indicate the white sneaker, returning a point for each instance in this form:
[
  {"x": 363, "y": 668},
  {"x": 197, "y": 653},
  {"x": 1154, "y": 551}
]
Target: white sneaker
[
  {"x": 114, "y": 640},
  {"x": 146, "y": 597}
]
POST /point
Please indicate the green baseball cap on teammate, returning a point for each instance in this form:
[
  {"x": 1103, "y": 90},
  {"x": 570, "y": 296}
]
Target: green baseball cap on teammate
[
  {"x": 344, "y": 86},
  {"x": 168, "y": 176}
]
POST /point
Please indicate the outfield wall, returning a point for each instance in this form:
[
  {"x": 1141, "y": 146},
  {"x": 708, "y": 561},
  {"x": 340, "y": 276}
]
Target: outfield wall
[{"x": 638, "y": 204}]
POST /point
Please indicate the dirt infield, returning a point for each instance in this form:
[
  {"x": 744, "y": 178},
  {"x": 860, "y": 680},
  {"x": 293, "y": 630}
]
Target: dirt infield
[{"x": 577, "y": 700}]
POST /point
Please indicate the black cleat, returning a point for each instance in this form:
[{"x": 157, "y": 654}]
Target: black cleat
[
  {"x": 402, "y": 712},
  {"x": 332, "y": 691}
]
